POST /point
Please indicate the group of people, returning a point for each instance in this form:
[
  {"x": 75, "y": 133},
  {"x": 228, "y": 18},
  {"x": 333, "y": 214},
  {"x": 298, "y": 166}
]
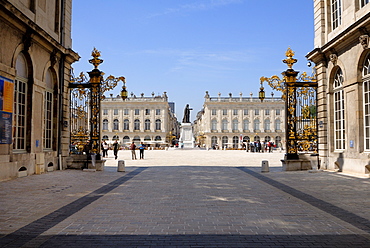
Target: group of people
[
  {"x": 105, "y": 148},
  {"x": 141, "y": 150},
  {"x": 116, "y": 147},
  {"x": 258, "y": 146}
]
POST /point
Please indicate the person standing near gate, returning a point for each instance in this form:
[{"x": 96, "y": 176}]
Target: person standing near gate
[
  {"x": 105, "y": 149},
  {"x": 115, "y": 149},
  {"x": 141, "y": 149},
  {"x": 132, "y": 148}
]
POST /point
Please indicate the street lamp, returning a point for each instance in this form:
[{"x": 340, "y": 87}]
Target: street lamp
[{"x": 261, "y": 93}]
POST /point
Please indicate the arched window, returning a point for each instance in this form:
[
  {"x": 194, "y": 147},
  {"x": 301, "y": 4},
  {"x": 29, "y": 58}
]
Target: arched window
[
  {"x": 267, "y": 138},
  {"x": 20, "y": 104},
  {"x": 256, "y": 125},
  {"x": 246, "y": 139},
  {"x": 246, "y": 125},
  {"x": 267, "y": 125},
  {"x": 235, "y": 125},
  {"x": 214, "y": 125},
  {"x": 213, "y": 140},
  {"x": 339, "y": 119},
  {"x": 224, "y": 125},
  {"x": 49, "y": 112},
  {"x": 137, "y": 124},
  {"x": 126, "y": 140},
  {"x": 137, "y": 138},
  {"x": 147, "y": 138},
  {"x": 277, "y": 125},
  {"x": 126, "y": 124},
  {"x": 105, "y": 124},
  {"x": 158, "y": 138},
  {"x": 147, "y": 124},
  {"x": 257, "y": 138},
  {"x": 116, "y": 137},
  {"x": 225, "y": 140},
  {"x": 105, "y": 137},
  {"x": 366, "y": 90},
  {"x": 115, "y": 124},
  {"x": 278, "y": 141},
  {"x": 158, "y": 124},
  {"x": 235, "y": 142}
]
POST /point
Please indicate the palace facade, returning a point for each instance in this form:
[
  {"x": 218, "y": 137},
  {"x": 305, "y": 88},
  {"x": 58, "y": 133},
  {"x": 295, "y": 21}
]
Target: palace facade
[
  {"x": 140, "y": 119},
  {"x": 342, "y": 58},
  {"x": 35, "y": 62},
  {"x": 228, "y": 122}
]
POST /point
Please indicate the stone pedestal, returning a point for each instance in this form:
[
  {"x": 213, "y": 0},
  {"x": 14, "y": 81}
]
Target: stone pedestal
[
  {"x": 186, "y": 135},
  {"x": 304, "y": 162}
]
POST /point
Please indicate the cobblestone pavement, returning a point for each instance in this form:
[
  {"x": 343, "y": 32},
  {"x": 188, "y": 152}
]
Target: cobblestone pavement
[{"x": 186, "y": 198}]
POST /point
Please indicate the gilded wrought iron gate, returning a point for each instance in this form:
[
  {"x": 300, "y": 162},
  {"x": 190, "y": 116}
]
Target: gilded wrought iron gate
[
  {"x": 86, "y": 94},
  {"x": 79, "y": 119},
  {"x": 301, "y": 118},
  {"x": 300, "y": 95}
]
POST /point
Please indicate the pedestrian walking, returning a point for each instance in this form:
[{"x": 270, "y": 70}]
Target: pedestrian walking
[
  {"x": 141, "y": 150},
  {"x": 132, "y": 148},
  {"x": 115, "y": 149},
  {"x": 105, "y": 149}
]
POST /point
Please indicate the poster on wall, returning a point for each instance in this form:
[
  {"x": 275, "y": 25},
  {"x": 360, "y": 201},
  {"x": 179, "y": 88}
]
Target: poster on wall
[{"x": 6, "y": 110}]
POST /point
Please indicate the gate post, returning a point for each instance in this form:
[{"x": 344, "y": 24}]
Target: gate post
[{"x": 96, "y": 79}]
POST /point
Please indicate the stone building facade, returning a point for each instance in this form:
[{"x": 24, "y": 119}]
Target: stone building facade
[
  {"x": 342, "y": 58},
  {"x": 35, "y": 61},
  {"x": 230, "y": 121},
  {"x": 140, "y": 119}
]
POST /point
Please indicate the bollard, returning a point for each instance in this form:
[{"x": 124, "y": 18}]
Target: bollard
[
  {"x": 265, "y": 166},
  {"x": 121, "y": 166}
]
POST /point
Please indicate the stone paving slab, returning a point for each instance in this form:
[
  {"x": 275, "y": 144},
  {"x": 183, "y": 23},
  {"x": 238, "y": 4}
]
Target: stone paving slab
[{"x": 186, "y": 198}]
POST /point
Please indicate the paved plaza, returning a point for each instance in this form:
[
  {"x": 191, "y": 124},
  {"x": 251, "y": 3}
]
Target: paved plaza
[{"x": 186, "y": 198}]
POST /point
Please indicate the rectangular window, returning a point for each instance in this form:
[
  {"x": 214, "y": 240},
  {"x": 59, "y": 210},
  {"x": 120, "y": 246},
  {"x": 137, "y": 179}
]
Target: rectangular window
[
  {"x": 105, "y": 111},
  {"x": 367, "y": 114},
  {"x": 115, "y": 111},
  {"x": 336, "y": 13},
  {"x": 235, "y": 112},
  {"x": 20, "y": 114},
  {"x": 125, "y": 111},
  {"x": 48, "y": 120},
  {"x": 224, "y": 112},
  {"x": 147, "y": 111},
  {"x": 157, "y": 112},
  {"x": 213, "y": 125},
  {"x": 364, "y": 2},
  {"x": 256, "y": 112},
  {"x": 267, "y": 112},
  {"x": 246, "y": 112},
  {"x": 277, "y": 112},
  {"x": 339, "y": 121},
  {"x": 213, "y": 112},
  {"x": 137, "y": 111}
]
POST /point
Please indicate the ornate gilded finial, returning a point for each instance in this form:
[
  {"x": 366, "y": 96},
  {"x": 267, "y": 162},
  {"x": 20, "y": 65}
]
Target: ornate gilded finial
[
  {"x": 290, "y": 61},
  {"x": 96, "y": 61}
]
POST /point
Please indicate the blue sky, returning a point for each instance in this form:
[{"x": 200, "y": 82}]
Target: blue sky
[{"x": 187, "y": 47}]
